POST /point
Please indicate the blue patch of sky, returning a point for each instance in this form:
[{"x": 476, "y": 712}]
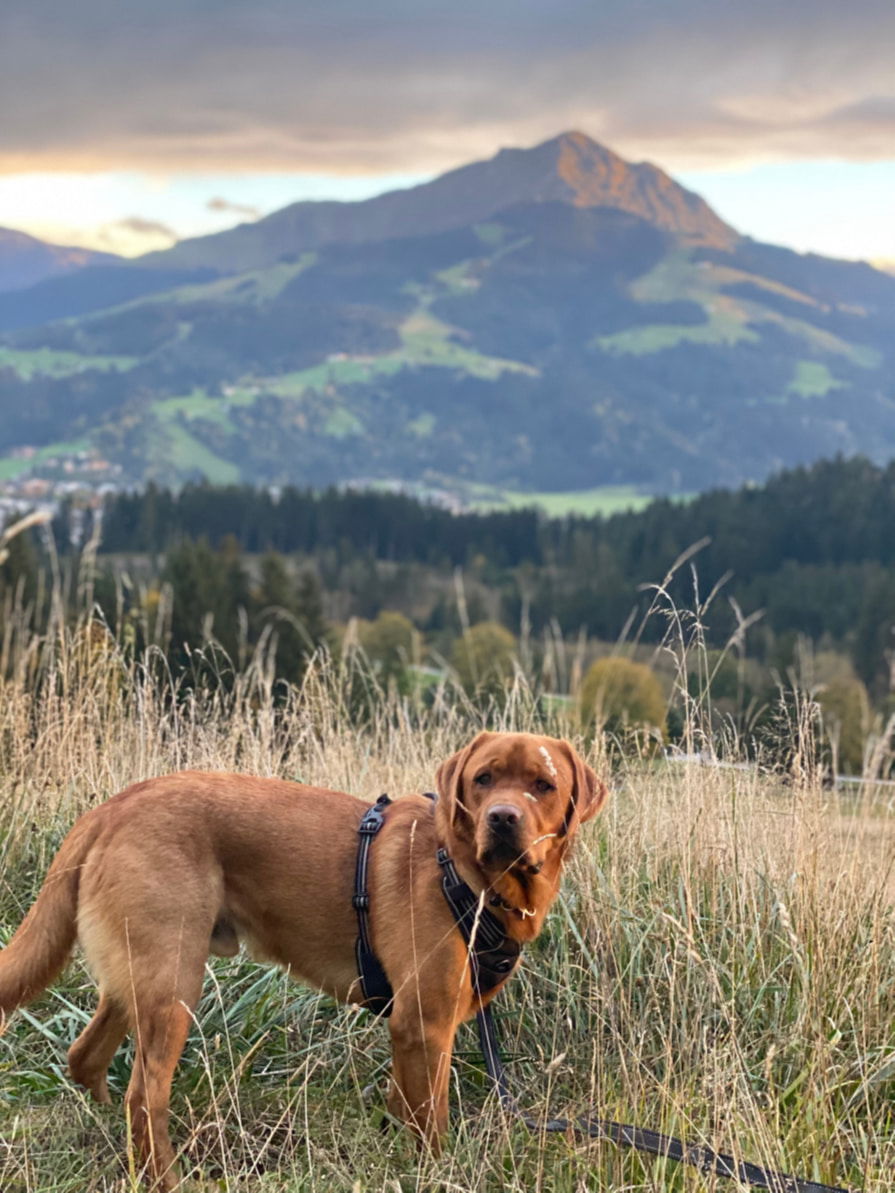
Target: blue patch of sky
[{"x": 840, "y": 209}]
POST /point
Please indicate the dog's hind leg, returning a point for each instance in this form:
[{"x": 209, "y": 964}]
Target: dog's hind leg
[
  {"x": 91, "y": 1054},
  {"x": 164, "y": 998},
  {"x": 144, "y": 923}
]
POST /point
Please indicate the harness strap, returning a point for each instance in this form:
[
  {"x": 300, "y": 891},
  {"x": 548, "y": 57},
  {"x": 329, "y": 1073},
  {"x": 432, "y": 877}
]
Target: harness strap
[
  {"x": 375, "y": 986},
  {"x": 492, "y": 954},
  {"x": 706, "y": 1159}
]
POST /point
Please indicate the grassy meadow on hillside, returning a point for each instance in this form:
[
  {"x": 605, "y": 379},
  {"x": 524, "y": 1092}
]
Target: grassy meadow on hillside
[{"x": 720, "y": 966}]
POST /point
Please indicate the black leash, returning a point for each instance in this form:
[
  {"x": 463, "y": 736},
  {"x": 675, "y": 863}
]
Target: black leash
[{"x": 706, "y": 1159}]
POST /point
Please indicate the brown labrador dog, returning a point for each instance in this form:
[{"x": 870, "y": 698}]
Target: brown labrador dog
[{"x": 175, "y": 868}]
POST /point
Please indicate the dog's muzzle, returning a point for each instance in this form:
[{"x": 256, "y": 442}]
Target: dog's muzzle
[{"x": 504, "y": 831}]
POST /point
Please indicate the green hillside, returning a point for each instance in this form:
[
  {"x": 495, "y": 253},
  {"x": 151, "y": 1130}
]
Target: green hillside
[{"x": 550, "y": 348}]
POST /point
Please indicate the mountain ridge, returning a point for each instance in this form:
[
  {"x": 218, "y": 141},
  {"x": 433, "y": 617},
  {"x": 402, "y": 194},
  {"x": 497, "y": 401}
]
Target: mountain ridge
[
  {"x": 570, "y": 168},
  {"x": 25, "y": 260}
]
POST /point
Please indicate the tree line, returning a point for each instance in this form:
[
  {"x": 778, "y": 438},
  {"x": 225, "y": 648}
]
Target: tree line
[
  {"x": 813, "y": 549},
  {"x": 804, "y": 566}
]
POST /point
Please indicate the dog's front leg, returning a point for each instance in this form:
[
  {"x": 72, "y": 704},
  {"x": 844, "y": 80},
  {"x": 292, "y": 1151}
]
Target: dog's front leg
[{"x": 421, "y": 1063}]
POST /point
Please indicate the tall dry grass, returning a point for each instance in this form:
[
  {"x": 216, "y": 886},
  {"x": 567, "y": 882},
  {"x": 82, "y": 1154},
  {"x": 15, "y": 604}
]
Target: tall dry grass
[{"x": 720, "y": 966}]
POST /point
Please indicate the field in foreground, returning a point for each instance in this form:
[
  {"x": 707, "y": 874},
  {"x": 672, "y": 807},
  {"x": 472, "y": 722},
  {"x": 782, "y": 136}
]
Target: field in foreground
[{"x": 721, "y": 965}]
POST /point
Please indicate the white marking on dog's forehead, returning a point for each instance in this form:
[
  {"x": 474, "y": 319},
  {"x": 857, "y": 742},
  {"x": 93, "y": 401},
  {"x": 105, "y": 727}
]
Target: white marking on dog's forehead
[{"x": 551, "y": 766}]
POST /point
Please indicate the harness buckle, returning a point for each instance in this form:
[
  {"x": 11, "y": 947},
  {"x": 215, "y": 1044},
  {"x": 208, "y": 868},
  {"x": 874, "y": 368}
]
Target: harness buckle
[{"x": 371, "y": 823}]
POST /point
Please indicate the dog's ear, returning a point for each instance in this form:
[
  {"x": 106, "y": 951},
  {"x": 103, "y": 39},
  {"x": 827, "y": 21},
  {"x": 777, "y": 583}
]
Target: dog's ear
[
  {"x": 449, "y": 779},
  {"x": 588, "y": 792}
]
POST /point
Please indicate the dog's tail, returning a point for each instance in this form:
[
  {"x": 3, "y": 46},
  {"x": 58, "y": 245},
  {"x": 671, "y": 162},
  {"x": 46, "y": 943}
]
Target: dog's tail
[{"x": 45, "y": 938}]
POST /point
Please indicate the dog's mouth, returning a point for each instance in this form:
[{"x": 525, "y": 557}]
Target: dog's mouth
[
  {"x": 508, "y": 854},
  {"x": 502, "y": 849}
]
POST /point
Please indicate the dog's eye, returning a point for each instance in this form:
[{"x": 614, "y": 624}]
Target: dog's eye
[
  {"x": 484, "y": 779},
  {"x": 543, "y": 786}
]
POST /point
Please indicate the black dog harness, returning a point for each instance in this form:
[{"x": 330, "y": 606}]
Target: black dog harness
[{"x": 492, "y": 955}]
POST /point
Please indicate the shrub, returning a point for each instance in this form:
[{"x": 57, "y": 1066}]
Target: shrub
[
  {"x": 620, "y": 694},
  {"x": 390, "y": 642},
  {"x": 484, "y": 658},
  {"x": 845, "y": 709}
]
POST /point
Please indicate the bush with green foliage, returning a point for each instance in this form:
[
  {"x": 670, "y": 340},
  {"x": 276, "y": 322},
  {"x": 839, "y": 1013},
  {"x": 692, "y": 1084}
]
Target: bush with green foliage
[
  {"x": 484, "y": 657},
  {"x": 845, "y": 712},
  {"x": 391, "y": 644},
  {"x": 619, "y": 694}
]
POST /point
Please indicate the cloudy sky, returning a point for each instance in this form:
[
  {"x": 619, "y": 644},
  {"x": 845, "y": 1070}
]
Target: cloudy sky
[{"x": 127, "y": 123}]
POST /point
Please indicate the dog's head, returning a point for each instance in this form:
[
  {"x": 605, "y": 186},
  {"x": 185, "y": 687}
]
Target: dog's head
[{"x": 510, "y": 803}]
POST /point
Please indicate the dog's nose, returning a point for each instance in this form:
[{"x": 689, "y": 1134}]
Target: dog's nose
[{"x": 503, "y": 816}]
